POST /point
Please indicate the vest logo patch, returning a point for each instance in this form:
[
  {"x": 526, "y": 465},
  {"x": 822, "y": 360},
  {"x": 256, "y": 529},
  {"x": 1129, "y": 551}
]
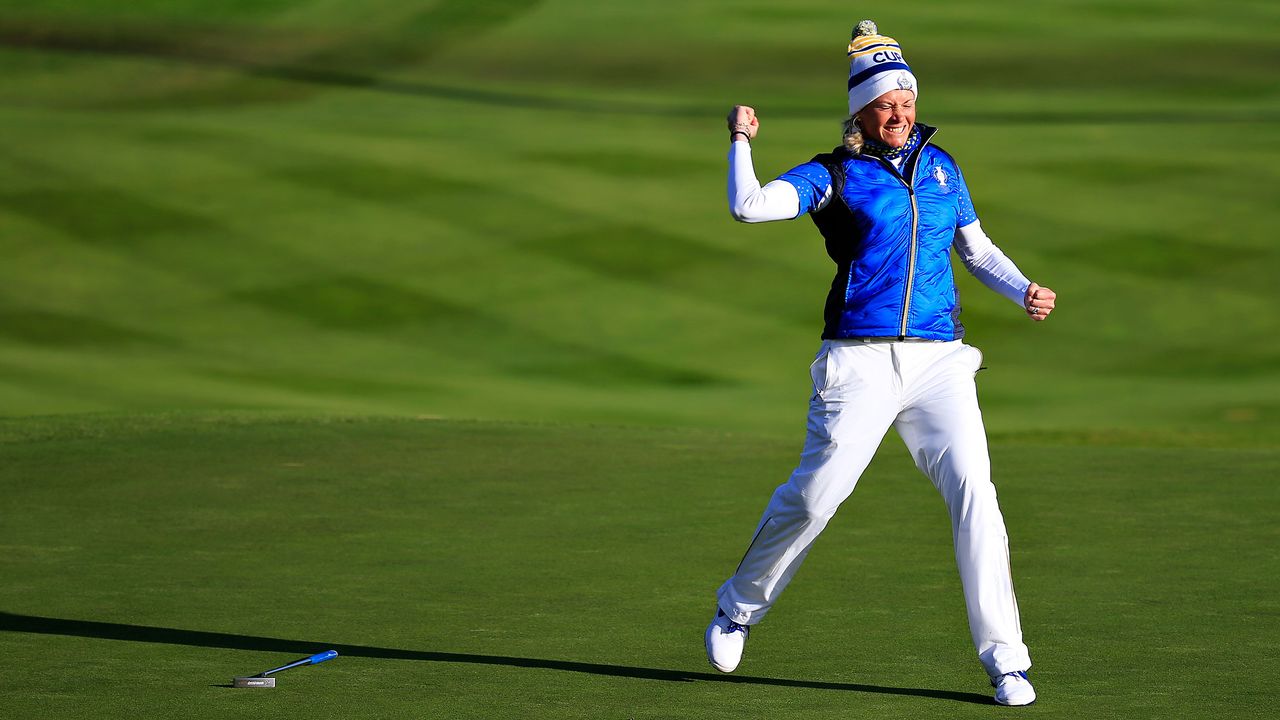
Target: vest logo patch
[{"x": 941, "y": 176}]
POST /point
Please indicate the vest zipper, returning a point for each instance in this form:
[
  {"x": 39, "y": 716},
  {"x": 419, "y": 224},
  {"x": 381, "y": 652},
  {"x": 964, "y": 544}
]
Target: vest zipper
[
  {"x": 915, "y": 229},
  {"x": 911, "y": 259},
  {"x": 910, "y": 183}
]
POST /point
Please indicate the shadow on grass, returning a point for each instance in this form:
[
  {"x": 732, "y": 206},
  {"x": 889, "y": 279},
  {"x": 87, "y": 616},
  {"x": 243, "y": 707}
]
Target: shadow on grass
[{"x": 10, "y": 622}]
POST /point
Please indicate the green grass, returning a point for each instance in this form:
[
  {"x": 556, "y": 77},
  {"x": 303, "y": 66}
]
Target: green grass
[
  {"x": 514, "y": 210},
  {"x": 422, "y": 301},
  {"x": 468, "y": 569}
]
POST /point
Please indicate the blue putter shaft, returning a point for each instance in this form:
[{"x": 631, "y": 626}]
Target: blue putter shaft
[{"x": 317, "y": 658}]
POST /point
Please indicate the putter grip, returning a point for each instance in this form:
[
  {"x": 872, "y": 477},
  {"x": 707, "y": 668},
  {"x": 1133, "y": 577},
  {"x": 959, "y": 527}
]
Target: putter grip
[{"x": 321, "y": 657}]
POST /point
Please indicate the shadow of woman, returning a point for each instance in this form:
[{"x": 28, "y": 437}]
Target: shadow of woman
[{"x": 10, "y": 622}]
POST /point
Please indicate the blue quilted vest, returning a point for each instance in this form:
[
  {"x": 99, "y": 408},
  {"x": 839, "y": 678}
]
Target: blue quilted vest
[{"x": 890, "y": 234}]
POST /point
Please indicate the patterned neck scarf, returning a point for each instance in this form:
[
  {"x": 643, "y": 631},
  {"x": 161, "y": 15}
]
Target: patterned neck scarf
[{"x": 879, "y": 149}]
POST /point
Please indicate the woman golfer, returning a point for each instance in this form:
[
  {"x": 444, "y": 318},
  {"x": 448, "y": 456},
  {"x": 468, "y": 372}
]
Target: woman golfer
[{"x": 891, "y": 207}]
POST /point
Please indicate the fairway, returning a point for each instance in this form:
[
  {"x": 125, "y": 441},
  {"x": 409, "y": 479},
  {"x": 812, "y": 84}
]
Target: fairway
[
  {"x": 419, "y": 330},
  {"x": 520, "y": 570}
]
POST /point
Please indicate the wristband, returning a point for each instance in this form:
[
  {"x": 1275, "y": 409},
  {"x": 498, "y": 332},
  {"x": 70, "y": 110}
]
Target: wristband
[{"x": 739, "y": 132}]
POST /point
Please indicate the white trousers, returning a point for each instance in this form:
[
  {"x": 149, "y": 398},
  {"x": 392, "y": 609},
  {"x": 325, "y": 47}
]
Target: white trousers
[{"x": 926, "y": 391}]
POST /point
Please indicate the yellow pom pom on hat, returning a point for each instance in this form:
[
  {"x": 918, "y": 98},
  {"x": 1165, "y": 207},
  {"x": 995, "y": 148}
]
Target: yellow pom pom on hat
[{"x": 876, "y": 66}]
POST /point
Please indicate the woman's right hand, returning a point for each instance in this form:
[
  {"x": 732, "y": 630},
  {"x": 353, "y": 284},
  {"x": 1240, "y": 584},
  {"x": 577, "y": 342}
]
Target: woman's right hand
[{"x": 742, "y": 118}]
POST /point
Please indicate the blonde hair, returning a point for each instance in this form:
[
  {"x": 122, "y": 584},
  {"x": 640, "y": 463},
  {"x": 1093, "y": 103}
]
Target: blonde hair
[{"x": 853, "y": 135}]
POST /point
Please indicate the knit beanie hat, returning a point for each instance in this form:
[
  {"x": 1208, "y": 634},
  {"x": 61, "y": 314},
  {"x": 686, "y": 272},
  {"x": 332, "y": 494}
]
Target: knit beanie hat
[{"x": 876, "y": 66}]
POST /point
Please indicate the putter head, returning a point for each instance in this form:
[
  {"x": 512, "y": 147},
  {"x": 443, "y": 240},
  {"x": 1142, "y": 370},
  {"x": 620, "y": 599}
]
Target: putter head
[{"x": 253, "y": 682}]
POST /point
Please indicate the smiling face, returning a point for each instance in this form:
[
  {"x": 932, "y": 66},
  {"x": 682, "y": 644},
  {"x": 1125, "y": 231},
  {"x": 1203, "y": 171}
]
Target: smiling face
[{"x": 889, "y": 118}]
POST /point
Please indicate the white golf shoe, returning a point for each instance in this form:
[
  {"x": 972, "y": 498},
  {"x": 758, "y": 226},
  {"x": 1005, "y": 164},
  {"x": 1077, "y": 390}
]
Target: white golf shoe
[
  {"x": 725, "y": 641},
  {"x": 1014, "y": 689}
]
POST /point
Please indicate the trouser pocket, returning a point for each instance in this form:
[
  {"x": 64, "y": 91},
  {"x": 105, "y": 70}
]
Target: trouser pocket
[
  {"x": 977, "y": 358},
  {"x": 820, "y": 371}
]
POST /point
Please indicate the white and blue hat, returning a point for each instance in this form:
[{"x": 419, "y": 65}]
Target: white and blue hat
[{"x": 876, "y": 66}]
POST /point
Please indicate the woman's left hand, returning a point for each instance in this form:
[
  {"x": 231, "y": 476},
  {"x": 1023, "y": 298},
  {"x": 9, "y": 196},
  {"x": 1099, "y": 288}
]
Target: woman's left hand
[{"x": 1039, "y": 302}]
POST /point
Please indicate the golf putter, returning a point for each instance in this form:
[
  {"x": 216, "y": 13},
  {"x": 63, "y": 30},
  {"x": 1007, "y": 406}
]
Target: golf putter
[{"x": 264, "y": 679}]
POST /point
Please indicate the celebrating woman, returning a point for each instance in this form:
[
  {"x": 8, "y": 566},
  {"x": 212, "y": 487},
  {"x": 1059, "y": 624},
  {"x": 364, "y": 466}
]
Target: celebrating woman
[{"x": 891, "y": 206}]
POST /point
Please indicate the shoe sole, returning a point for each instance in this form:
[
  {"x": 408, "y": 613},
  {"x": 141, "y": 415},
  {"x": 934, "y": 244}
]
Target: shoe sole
[{"x": 721, "y": 668}]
